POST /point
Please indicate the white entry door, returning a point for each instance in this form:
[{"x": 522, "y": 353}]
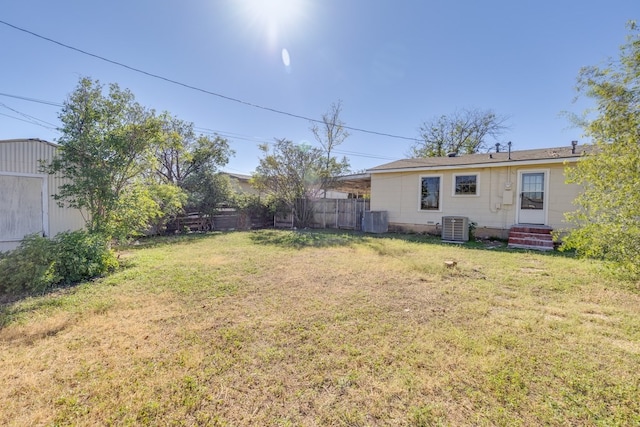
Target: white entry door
[{"x": 532, "y": 205}]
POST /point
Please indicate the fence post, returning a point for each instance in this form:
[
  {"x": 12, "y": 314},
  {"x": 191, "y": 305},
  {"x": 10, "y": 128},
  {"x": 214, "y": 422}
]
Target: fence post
[
  {"x": 355, "y": 214},
  {"x": 324, "y": 212}
]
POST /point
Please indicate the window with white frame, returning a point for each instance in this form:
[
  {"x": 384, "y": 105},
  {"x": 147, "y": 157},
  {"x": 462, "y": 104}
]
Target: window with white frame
[
  {"x": 465, "y": 185},
  {"x": 430, "y": 193}
]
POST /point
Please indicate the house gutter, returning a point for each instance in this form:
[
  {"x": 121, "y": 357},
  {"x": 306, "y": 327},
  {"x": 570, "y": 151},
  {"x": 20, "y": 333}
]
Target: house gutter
[{"x": 478, "y": 165}]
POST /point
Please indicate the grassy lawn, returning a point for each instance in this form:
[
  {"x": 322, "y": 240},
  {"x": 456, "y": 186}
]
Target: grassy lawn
[{"x": 285, "y": 328}]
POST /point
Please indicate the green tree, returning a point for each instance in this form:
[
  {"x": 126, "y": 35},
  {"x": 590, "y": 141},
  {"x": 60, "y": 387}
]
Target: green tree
[
  {"x": 330, "y": 134},
  {"x": 291, "y": 174},
  {"x": 191, "y": 162},
  {"x": 181, "y": 153},
  {"x": 464, "y": 132},
  {"x": 607, "y": 220},
  {"x": 145, "y": 208},
  {"x": 206, "y": 191},
  {"x": 106, "y": 145}
]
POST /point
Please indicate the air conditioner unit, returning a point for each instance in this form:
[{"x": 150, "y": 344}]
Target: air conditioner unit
[{"x": 455, "y": 228}]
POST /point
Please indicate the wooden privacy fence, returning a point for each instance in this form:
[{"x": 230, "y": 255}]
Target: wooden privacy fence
[
  {"x": 323, "y": 213},
  {"x": 330, "y": 213},
  {"x": 225, "y": 219}
]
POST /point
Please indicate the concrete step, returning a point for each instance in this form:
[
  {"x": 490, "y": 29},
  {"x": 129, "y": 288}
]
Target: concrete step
[
  {"x": 522, "y": 235},
  {"x": 534, "y": 229},
  {"x": 530, "y": 241},
  {"x": 531, "y": 237}
]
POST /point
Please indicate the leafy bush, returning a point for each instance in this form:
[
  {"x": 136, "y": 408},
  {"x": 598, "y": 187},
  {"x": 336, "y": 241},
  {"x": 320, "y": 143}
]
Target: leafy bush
[
  {"x": 30, "y": 267},
  {"x": 260, "y": 209},
  {"x": 39, "y": 263},
  {"x": 81, "y": 255}
]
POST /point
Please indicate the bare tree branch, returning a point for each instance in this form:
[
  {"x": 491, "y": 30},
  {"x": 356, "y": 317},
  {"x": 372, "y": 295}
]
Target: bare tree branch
[{"x": 464, "y": 132}]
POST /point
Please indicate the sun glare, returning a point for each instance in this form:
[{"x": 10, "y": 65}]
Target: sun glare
[
  {"x": 277, "y": 18},
  {"x": 284, "y": 12}
]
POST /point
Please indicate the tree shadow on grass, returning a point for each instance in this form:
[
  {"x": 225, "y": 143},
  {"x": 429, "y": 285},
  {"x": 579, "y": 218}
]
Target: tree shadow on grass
[
  {"x": 166, "y": 240},
  {"x": 491, "y": 245},
  {"x": 299, "y": 239},
  {"x": 496, "y": 245},
  {"x": 14, "y": 306}
]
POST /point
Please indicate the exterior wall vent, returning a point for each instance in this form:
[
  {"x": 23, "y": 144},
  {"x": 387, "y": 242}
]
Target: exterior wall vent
[{"x": 455, "y": 228}]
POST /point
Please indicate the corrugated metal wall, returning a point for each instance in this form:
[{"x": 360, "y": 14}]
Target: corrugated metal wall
[{"x": 22, "y": 157}]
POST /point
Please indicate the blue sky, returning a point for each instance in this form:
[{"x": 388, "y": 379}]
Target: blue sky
[{"x": 393, "y": 64}]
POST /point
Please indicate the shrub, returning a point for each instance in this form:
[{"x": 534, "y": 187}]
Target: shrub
[
  {"x": 39, "y": 263},
  {"x": 28, "y": 268},
  {"x": 81, "y": 255},
  {"x": 259, "y": 210}
]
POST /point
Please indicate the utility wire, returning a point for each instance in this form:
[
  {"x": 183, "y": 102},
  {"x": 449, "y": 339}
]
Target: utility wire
[
  {"x": 188, "y": 86},
  {"x": 34, "y": 120},
  {"x": 256, "y": 139},
  {"x": 39, "y": 101},
  {"x": 225, "y": 134},
  {"x": 28, "y": 121}
]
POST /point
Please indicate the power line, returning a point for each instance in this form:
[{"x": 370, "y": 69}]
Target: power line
[
  {"x": 28, "y": 121},
  {"x": 370, "y": 156},
  {"x": 262, "y": 140},
  {"x": 188, "y": 86},
  {"x": 234, "y": 135},
  {"x": 225, "y": 134},
  {"x": 39, "y": 101},
  {"x": 33, "y": 119}
]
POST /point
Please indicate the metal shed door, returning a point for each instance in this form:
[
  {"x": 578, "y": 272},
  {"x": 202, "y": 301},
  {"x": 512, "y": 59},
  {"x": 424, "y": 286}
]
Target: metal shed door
[{"x": 21, "y": 211}]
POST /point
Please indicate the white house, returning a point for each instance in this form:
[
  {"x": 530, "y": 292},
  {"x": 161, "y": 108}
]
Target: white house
[
  {"x": 502, "y": 194},
  {"x": 26, "y": 202}
]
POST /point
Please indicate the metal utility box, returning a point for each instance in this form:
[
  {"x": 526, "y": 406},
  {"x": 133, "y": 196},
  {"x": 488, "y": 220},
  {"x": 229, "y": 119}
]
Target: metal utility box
[{"x": 375, "y": 222}]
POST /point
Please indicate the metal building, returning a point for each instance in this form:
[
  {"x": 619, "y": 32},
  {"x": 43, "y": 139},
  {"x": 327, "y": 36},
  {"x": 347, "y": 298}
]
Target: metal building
[{"x": 26, "y": 193}]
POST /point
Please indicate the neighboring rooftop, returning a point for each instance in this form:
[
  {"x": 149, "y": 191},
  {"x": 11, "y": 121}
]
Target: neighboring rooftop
[
  {"x": 487, "y": 159},
  {"x": 238, "y": 176},
  {"x": 27, "y": 140}
]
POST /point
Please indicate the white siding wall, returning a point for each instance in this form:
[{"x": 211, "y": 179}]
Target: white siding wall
[
  {"x": 21, "y": 158},
  {"x": 399, "y": 194},
  {"x": 561, "y": 197}
]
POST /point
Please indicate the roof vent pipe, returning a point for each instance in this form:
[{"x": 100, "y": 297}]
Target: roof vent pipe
[
  {"x": 497, "y": 147},
  {"x": 509, "y": 144},
  {"x": 573, "y": 146}
]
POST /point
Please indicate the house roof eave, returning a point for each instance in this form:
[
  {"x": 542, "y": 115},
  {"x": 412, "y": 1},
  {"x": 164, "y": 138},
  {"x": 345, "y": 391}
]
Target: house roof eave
[
  {"x": 476, "y": 165},
  {"x": 536, "y": 156}
]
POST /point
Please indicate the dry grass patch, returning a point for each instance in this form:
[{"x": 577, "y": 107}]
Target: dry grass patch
[{"x": 310, "y": 328}]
